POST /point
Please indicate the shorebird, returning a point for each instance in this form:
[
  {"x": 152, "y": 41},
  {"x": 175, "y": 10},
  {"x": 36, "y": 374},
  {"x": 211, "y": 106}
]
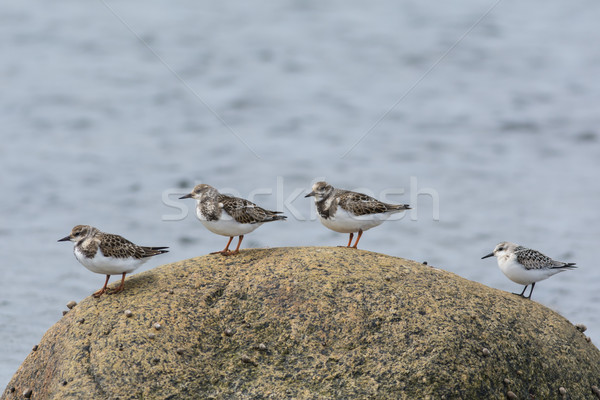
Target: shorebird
[
  {"x": 526, "y": 266},
  {"x": 108, "y": 254},
  {"x": 228, "y": 215},
  {"x": 349, "y": 212}
]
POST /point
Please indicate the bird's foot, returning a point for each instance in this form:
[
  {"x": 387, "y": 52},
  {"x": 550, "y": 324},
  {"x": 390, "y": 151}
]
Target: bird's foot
[
  {"x": 99, "y": 293},
  {"x": 226, "y": 252},
  {"x": 115, "y": 291}
]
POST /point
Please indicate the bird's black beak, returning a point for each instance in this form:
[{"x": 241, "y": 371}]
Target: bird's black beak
[
  {"x": 488, "y": 255},
  {"x": 310, "y": 194},
  {"x": 65, "y": 239},
  {"x": 187, "y": 196}
]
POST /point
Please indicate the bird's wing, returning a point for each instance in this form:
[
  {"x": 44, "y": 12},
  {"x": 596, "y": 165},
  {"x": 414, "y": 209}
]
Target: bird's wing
[
  {"x": 533, "y": 259},
  {"x": 246, "y": 212},
  {"x": 361, "y": 204},
  {"x": 118, "y": 247}
]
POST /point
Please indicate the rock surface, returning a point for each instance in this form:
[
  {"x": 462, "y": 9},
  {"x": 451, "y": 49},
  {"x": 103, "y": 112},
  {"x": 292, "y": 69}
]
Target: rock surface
[{"x": 308, "y": 323}]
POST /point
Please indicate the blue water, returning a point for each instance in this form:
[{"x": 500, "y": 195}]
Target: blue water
[{"x": 112, "y": 110}]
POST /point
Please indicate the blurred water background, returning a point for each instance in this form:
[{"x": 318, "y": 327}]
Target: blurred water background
[{"x": 482, "y": 115}]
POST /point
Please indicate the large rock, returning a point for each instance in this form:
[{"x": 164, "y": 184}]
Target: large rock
[{"x": 308, "y": 323}]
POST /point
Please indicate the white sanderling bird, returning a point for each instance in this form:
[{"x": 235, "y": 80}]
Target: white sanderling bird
[
  {"x": 348, "y": 212},
  {"x": 108, "y": 254},
  {"x": 526, "y": 266},
  {"x": 228, "y": 215}
]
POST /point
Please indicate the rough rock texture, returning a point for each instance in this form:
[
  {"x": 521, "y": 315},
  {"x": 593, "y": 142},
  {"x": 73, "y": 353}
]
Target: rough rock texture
[{"x": 308, "y": 323}]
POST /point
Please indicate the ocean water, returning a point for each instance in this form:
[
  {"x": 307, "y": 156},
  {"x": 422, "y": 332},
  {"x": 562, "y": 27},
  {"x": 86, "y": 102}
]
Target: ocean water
[{"x": 481, "y": 115}]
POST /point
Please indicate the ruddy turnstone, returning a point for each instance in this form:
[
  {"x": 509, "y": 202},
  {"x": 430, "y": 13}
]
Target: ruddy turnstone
[
  {"x": 526, "y": 266},
  {"x": 228, "y": 215},
  {"x": 348, "y": 212},
  {"x": 108, "y": 254}
]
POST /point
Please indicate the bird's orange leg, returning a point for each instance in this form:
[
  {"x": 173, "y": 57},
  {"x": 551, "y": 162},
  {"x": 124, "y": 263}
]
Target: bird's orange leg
[
  {"x": 237, "y": 248},
  {"x": 101, "y": 291},
  {"x": 349, "y": 241},
  {"x": 121, "y": 286},
  {"x": 225, "y": 251},
  {"x": 358, "y": 238}
]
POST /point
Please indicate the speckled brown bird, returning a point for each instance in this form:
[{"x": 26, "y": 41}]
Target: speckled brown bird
[
  {"x": 345, "y": 211},
  {"x": 108, "y": 254},
  {"x": 228, "y": 215}
]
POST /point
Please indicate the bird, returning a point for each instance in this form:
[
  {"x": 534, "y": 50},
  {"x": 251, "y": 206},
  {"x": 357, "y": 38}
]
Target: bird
[
  {"x": 349, "y": 212},
  {"x": 229, "y": 216},
  {"x": 526, "y": 266},
  {"x": 108, "y": 254}
]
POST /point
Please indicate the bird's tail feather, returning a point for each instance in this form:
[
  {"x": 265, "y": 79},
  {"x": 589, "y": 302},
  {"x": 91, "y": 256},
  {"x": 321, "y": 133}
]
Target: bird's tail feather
[
  {"x": 399, "y": 207},
  {"x": 157, "y": 250},
  {"x": 565, "y": 266}
]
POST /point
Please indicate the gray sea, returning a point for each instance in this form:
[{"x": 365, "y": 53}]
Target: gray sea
[{"x": 483, "y": 115}]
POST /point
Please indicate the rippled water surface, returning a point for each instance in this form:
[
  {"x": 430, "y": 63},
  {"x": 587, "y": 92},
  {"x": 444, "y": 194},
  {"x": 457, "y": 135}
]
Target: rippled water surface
[{"x": 488, "y": 127}]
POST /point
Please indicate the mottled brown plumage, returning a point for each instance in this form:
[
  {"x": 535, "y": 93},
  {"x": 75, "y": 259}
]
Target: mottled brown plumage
[
  {"x": 246, "y": 212},
  {"x": 361, "y": 204},
  {"x": 119, "y": 247}
]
